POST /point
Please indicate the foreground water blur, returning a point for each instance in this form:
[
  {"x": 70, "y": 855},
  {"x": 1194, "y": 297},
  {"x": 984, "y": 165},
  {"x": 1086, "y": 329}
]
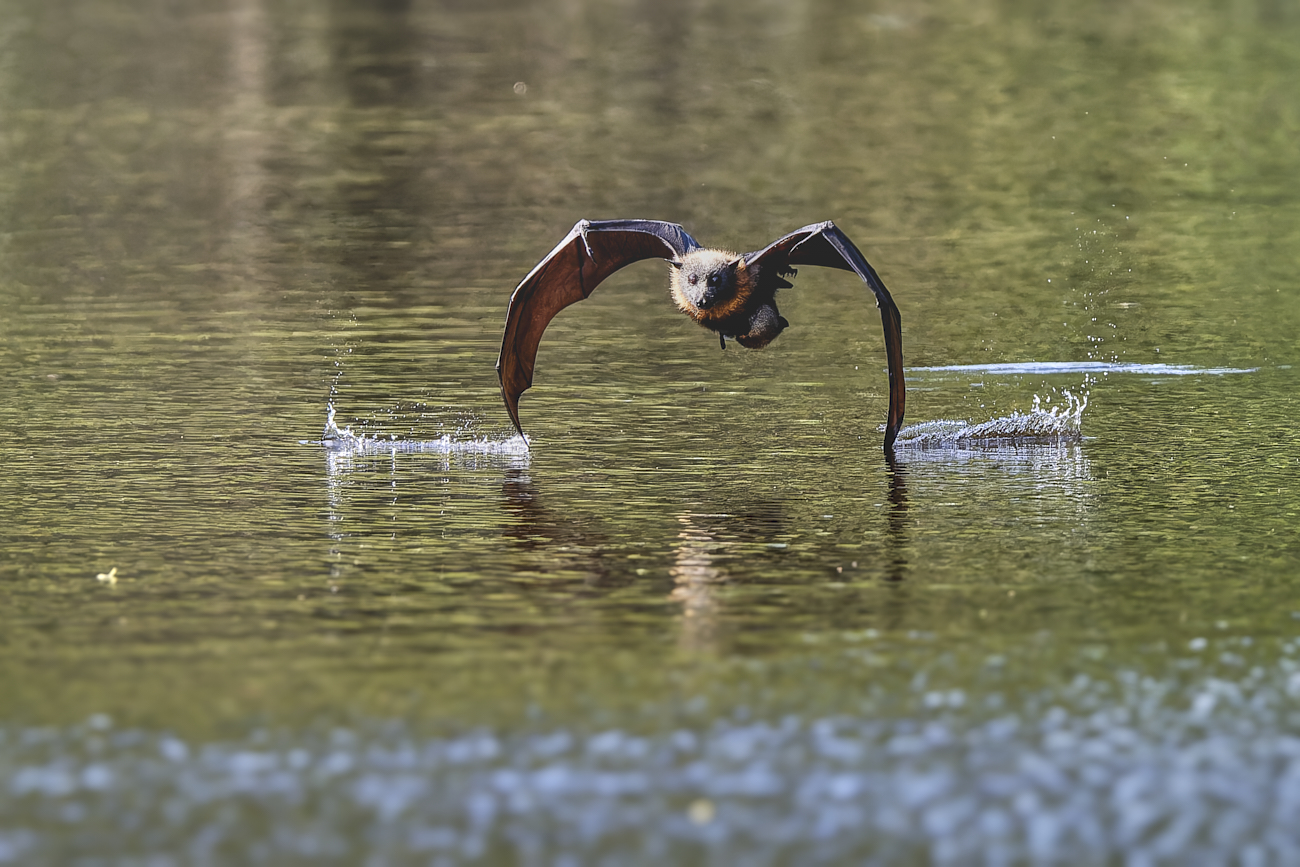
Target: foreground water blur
[{"x": 700, "y": 618}]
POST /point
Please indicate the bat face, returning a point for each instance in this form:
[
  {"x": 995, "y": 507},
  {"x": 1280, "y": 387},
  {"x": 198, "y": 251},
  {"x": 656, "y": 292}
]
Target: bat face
[{"x": 710, "y": 285}]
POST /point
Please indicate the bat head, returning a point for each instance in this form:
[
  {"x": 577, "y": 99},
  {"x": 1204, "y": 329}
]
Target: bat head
[{"x": 710, "y": 284}]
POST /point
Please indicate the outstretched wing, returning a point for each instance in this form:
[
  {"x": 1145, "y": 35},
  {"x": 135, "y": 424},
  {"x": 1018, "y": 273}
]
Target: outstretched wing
[
  {"x": 825, "y": 245},
  {"x": 588, "y": 254}
]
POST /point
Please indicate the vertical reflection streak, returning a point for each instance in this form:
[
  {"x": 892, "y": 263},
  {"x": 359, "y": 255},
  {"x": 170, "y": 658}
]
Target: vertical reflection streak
[
  {"x": 696, "y": 573},
  {"x": 896, "y": 521},
  {"x": 246, "y": 141}
]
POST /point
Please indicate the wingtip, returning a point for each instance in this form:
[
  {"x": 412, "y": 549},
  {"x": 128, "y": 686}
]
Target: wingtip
[
  {"x": 898, "y": 395},
  {"x": 512, "y": 407},
  {"x": 891, "y": 434},
  {"x": 523, "y": 436}
]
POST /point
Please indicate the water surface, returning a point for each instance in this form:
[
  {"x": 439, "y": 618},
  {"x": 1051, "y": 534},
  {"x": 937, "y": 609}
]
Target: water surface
[{"x": 702, "y": 619}]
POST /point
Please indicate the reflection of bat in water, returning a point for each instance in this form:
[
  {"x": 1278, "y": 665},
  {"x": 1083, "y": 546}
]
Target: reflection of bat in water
[{"x": 732, "y": 294}]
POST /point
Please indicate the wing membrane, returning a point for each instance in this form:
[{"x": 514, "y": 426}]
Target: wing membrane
[
  {"x": 824, "y": 245},
  {"x": 591, "y": 252}
]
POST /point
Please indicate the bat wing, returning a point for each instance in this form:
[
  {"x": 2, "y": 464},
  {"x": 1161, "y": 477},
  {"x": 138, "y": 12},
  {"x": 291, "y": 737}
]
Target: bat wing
[
  {"x": 591, "y": 251},
  {"x": 825, "y": 245}
]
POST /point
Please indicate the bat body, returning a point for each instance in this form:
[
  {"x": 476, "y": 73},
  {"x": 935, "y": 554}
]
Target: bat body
[{"x": 731, "y": 294}]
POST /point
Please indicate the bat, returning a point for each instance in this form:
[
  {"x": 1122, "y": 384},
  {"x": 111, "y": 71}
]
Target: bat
[{"x": 731, "y": 294}]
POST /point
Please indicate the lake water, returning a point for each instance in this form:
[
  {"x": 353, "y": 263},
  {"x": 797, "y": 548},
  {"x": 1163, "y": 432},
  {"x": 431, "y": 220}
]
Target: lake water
[{"x": 702, "y": 620}]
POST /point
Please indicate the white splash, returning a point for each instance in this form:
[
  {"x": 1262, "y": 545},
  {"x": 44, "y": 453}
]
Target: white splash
[
  {"x": 344, "y": 440},
  {"x": 1060, "y": 423}
]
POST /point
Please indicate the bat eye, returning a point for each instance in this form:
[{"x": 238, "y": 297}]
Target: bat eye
[{"x": 693, "y": 279}]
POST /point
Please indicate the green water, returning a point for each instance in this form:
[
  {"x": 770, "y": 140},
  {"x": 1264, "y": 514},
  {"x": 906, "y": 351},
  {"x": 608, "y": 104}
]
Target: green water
[{"x": 217, "y": 217}]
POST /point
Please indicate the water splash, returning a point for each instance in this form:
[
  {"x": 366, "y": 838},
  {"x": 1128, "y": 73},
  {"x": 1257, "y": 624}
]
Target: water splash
[
  {"x": 345, "y": 440},
  {"x": 1060, "y": 423}
]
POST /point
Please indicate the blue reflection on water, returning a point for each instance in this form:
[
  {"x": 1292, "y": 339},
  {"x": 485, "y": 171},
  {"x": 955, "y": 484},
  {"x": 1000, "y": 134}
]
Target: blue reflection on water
[{"x": 1146, "y": 772}]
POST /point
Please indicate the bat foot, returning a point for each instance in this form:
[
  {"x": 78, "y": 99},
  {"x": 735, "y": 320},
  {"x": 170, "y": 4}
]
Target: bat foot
[{"x": 722, "y": 340}]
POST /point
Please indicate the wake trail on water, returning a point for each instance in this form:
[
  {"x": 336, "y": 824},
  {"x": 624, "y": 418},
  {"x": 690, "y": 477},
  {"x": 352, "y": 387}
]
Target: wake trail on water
[
  {"x": 1041, "y": 425},
  {"x": 1093, "y": 367}
]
